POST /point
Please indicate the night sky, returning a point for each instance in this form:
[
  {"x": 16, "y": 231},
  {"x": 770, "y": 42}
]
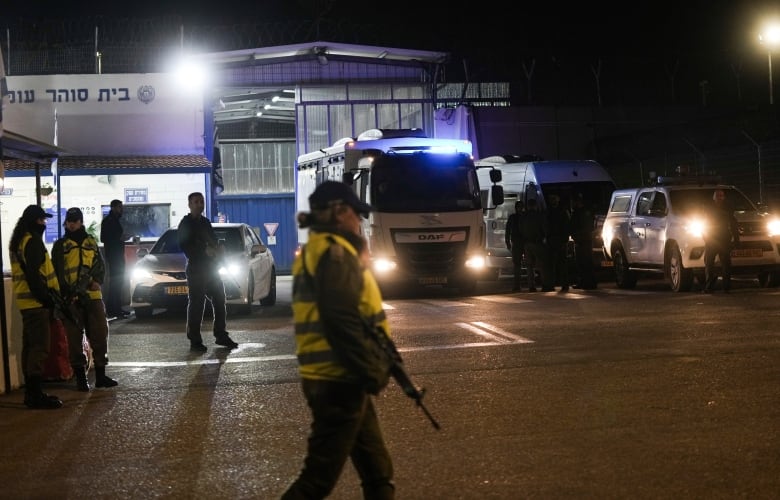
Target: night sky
[{"x": 604, "y": 26}]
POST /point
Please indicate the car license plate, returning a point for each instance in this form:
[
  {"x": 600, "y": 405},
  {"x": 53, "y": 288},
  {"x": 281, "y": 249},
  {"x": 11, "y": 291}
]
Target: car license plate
[
  {"x": 607, "y": 263},
  {"x": 433, "y": 280},
  {"x": 176, "y": 290},
  {"x": 747, "y": 252}
]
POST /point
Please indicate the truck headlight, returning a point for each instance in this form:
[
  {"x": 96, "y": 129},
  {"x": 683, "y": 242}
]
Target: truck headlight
[
  {"x": 476, "y": 262},
  {"x": 382, "y": 265}
]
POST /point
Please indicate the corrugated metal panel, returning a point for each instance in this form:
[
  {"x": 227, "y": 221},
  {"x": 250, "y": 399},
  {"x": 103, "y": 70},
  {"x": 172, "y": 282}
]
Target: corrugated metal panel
[{"x": 260, "y": 209}]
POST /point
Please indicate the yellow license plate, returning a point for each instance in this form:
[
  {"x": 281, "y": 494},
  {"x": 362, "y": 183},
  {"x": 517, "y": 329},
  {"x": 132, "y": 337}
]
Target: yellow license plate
[
  {"x": 176, "y": 290},
  {"x": 747, "y": 252},
  {"x": 607, "y": 263}
]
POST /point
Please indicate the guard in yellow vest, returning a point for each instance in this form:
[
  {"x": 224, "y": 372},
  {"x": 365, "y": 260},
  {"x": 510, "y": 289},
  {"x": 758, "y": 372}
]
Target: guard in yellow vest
[
  {"x": 80, "y": 271},
  {"x": 335, "y": 300},
  {"x": 34, "y": 282}
]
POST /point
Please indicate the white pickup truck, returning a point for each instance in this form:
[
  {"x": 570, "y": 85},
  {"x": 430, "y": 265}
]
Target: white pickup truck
[{"x": 658, "y": 229}]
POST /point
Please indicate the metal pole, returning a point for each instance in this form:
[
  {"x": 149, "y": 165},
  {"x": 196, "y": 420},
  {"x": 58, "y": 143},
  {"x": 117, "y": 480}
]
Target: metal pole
[
  {"x": 769, "y": 59},
  {"x": 760, "y": 177}
]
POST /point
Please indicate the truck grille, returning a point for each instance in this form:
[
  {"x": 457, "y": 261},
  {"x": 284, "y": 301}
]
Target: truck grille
[{"x": 431, "y": 259}]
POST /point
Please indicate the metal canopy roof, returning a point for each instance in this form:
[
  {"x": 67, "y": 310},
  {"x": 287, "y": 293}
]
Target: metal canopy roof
[
  {"x": 112, "y": 165},
  {"x": 26, "y": 148},
  {"x": 314, "y": 50}
]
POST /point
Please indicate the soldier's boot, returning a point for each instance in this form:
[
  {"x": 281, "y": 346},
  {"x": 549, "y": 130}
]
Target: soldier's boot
[
  {"x": 103, "y": 380},
  {"x": 82, "y": 383},
  {"x": 35, "y": 398}
]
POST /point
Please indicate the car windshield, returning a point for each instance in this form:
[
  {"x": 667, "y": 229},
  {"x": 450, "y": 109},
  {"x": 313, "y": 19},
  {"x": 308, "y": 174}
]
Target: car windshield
[
  {"x": 231, "y": 237},
  {"x": 694, "y": 200},
  {"x": 168, "y": 243}
]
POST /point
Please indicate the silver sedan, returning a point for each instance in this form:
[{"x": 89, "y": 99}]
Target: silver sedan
[{"x": 248, "y": 271}]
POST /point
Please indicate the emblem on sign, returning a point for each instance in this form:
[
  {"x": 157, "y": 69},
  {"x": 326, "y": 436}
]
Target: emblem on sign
[{"x": 146, "y": 94}]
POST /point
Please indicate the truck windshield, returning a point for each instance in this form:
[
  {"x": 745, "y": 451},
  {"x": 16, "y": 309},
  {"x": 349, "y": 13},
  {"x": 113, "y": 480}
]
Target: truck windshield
[{"x": 424, "y": 182}]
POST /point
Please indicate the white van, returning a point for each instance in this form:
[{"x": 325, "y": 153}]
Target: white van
[{"x": 523, "y": 180}]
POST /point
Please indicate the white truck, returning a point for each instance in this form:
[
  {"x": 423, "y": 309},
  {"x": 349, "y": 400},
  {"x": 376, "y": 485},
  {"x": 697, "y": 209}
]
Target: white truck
[
  {"x": 426, "y": 227},
  {"x": 522, "y": 179}
]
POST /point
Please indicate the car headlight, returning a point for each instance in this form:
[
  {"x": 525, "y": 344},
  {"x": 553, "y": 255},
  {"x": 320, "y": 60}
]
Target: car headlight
[
  {"x": 773, "y": 227},
  {"x": 140, "y": 273},
  {"x": 229, "y": 270}
]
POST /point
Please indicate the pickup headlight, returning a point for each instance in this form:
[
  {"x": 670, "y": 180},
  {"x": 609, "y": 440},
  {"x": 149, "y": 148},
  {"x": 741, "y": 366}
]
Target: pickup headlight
[
  {"x": 606, "y": 235},
  {"x": 773, "y": 227},
  {"x": 696, "y": 227}
]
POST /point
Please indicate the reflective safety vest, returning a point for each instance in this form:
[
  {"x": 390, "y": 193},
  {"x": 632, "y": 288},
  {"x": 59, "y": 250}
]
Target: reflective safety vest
[
  {"x": 80, "y": 258},
  {"x": 24, "y": 297},
  {"x": 315, "y": 356}
]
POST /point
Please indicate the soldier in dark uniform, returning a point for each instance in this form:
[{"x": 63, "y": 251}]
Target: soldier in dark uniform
[
  {"x": 723, "y": 233},
  {"x": 535, "y": 233},
  {"x": 582, "y": 223},
  {"x": 557, "y": 240},
  {"x": 513, "y": 236}
]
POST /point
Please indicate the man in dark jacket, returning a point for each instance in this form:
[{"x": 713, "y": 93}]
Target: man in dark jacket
[
  {"x": 513, "y": 237},
  {"x": 582, "y": 225},
  {"x": 199, "y": 243},
  {"x": 535, "y": 232},
  {"x": 719, "y": 240},
  {"x": 557, "y": 241},
  {"x": 113, "y": 236}
]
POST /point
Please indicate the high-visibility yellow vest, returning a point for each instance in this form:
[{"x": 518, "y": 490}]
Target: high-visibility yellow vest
[
  {"x": 78, "y": 256},
  {"x": 315, "y": 357},
  {"x": 24, "y": 297}
]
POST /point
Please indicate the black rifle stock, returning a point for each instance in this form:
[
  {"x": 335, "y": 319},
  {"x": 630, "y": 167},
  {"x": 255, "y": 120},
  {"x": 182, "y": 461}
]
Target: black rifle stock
[{"x": 399, "y": 374}]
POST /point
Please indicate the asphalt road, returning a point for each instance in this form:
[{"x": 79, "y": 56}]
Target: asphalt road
[{"x": 588, "y": 394}]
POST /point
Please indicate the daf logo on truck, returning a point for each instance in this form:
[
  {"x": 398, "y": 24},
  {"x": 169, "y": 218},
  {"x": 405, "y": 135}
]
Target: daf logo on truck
[
  {"x": 414, "y": 237},
  {"x": 413, "y": 183}
]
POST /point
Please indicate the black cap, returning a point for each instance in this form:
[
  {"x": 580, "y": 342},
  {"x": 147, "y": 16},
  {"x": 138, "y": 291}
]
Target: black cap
[
  {"x": 331, "y": 192},
  {"x": 74, "y": 214},
  {"x": 34, "y": 212}
]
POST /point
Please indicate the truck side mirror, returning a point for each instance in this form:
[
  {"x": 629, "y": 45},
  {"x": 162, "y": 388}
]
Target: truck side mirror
[
  {"x": 495, "y": 175},
  {"x": 497, "y": 193}
]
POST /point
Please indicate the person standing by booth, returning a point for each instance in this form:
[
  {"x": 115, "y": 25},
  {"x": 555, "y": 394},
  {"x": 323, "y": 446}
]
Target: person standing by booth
[
  {"x": 34, "y": 281},
  {"x": 80, "y": 271},
  {"x": 113, "y": 237}
]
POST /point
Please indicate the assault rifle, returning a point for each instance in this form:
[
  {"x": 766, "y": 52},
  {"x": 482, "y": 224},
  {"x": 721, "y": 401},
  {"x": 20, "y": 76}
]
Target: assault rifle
[
  {"x": 80, "y": 289},
  {"x": 399, "y": 374},
  {"x": 61, "y": 306}
]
